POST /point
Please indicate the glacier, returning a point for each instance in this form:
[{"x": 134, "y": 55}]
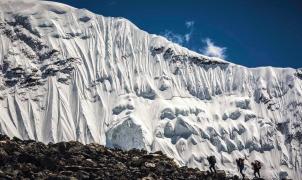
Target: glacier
[{"x": 69, "y": 74}]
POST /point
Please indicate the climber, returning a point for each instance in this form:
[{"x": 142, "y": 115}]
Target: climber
[
  {"x": 240, "y": 165},
  {"x": 256, "y": 166},
  {"x": 212, "y": 162}
]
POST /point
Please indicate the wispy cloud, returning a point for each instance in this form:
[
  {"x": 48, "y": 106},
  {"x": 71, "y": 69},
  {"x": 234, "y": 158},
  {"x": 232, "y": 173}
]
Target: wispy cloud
[
  {"x": 212, "y": 50},
  {"x": 174, "y": 37},
  {"x": 181, "y": 39},
  {"x": 188, "y": 37},
  {"x": 189, "y": 24},
  {"x": 209, "y": 48}
]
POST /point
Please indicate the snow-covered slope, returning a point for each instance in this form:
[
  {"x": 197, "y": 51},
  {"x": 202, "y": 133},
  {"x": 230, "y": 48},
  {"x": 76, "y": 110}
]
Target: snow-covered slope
[{"x": 68, "y": 74}]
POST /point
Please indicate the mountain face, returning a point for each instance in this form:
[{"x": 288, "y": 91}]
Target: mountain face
[{"x": 68, "y": 74}]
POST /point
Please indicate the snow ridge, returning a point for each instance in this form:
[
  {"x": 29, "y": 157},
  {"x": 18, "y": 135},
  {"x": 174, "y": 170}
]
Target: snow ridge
[{"x": 68, "y": 74}]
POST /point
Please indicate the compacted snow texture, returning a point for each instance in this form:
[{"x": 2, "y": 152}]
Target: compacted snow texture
[{"x": 68, "y": 74}]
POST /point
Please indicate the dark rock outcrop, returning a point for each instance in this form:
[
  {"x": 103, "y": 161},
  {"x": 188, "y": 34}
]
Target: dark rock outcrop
[{"x": 72, "y": 160}]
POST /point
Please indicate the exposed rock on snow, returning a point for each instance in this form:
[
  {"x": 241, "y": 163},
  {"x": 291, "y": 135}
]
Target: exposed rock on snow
[
  {"x": 235, "y": 115},
  {"x": 68, "y": 74}
]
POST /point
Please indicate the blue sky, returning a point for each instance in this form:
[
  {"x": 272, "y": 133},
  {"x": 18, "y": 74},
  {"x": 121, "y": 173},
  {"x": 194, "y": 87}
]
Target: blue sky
[{"x": 247, "y": 32}]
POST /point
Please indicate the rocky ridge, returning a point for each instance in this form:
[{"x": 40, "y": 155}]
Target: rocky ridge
[
  {"x": 68, "y": 74},
  {"x": 72, "y": 160}
]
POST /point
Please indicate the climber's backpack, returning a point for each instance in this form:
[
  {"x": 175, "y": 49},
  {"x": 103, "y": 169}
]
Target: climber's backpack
[
  {"x": 212, "y": 159},
  {"x": 258, "y": 164}
]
